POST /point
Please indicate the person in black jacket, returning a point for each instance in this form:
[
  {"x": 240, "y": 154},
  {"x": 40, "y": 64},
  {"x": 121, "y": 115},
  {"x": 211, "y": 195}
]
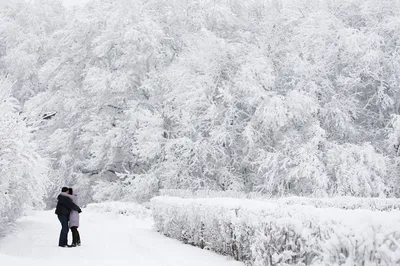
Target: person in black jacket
[{"x": 63, "y": 209}]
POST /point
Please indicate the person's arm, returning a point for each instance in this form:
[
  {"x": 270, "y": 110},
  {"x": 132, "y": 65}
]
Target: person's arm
[{"x": 70, "y": 204}]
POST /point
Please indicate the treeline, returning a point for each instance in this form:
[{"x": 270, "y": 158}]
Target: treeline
[{"x": 282, "y": 97}]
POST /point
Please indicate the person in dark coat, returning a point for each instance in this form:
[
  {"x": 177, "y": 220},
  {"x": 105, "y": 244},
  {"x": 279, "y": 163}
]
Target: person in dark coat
[{"x": 63, "y": 210}]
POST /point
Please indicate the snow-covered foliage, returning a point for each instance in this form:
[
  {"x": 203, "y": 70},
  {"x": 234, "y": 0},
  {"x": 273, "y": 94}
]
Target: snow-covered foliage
[
  {"x": 186, "y": 193},
  {"x": 124, "y": 208},
  {"x": 341, "y": 202},
  {"x": 25, "y": 42},
  {"x": 347, "y": 203},
  {"x": 288, "y": 97},
  {"x": 23, "y": 173},
  {"x": 265, "y": 233}
]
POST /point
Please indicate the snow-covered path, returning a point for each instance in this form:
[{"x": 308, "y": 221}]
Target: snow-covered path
[{"x": 107, "y": 239}]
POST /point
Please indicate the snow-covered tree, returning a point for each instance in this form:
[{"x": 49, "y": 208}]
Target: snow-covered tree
[
  {"x": 25, "y": 30},
  {"x": 128, "y": 97},
  {"x": 92, "y": 81},
  {"x": 23, "y": 172}
]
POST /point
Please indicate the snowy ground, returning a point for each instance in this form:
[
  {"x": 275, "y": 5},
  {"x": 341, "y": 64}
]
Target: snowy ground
[{"x": 107, "y": 239}]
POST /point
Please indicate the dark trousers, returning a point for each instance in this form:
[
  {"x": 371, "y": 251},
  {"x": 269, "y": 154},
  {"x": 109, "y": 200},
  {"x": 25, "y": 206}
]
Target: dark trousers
[
  {"x": 63, "y": 241},
  {"x": 76, "y": 238}
]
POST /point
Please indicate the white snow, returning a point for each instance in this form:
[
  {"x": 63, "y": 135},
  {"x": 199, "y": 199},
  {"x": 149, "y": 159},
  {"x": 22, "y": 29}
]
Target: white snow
[{"x": 107, "y": 239}]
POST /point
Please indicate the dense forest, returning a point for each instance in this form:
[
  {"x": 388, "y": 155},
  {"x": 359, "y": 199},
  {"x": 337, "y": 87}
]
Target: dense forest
[{"x": 120, "y": 99}]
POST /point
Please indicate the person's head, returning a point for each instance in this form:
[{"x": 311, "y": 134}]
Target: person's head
[
  {"x": 70, "y": 191},
  {"x": 64, "y": 189}
]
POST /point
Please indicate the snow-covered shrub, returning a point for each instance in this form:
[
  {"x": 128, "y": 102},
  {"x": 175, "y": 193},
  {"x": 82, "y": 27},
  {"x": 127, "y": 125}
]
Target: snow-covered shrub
[
  {"x": 23, "y": 176},
  {"x": 348, "y": 203},
  {"x": 124, "y": 208},
  {"x": 265, "y": 233},
  {"x": 187, "y": 193},
  {"x": 341, "y": 202},
  {"x": 136, "y": 188},
  {"x": 356, "y": 170}
]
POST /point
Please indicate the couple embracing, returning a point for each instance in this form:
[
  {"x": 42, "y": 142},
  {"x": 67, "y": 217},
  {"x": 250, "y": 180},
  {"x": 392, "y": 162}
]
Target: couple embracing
[{"x": 68, "y": 215}]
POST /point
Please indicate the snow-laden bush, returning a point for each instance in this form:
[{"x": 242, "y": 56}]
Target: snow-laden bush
[
  {"x": 136, "y": 188},
  {"x": 124, "y": 208},
  {"x": 266, "y": 233},
  {"x": 187, "y": 193},
  {"x": 342, "y": 202},
  {"x": 347, "y": 203}
]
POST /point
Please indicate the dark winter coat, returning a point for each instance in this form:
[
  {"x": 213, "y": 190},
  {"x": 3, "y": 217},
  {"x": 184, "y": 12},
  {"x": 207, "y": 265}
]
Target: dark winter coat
[{"x": 65, "y": 205}]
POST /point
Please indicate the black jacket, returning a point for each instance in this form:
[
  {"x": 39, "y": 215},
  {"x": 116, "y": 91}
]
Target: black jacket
[{"x": 65, "y": 205}]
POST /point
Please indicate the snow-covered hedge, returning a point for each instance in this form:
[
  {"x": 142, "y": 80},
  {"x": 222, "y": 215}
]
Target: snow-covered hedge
[
  {"x": 344, "y": 202},
  {"x": 187, "y": 193},
  {"x": 348, "y": 203},
  {"x": 265, "y": 233},
  {"x": 124, "y": 208}
]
